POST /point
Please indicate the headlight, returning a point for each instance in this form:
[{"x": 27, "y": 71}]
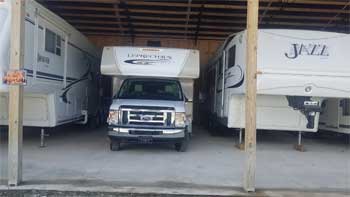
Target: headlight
[
  {"x": 180, "y": 119},
  {"x": 113, "y": 117}
]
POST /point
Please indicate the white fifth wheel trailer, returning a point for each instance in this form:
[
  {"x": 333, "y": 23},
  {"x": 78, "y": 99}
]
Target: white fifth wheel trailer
[
  {"x": 61, "y": 66},
  {"x": 296, "y": 71},
  {"x": 335, "y": 115},
  {"x": 153, "y": 94}
]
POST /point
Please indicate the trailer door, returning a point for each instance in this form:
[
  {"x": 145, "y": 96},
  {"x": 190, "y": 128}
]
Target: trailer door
[{"x": 220, "y": 74}]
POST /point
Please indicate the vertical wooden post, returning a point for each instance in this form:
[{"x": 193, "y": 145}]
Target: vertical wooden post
[
  {"x": 250, "y": 101},
  {"x": 16, "y": 94}
]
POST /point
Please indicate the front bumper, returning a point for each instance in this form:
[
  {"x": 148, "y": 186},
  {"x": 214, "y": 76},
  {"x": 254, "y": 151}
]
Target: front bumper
[{"x": 157, "y": 135}]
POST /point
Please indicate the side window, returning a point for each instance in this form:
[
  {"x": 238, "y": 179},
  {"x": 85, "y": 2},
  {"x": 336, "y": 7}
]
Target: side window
[
  {"x": 58, "y": 45},
  {"x": 52, "y": 42},
  {"x": 232, "y": 56},
  {"x": 346, "y": 107}
]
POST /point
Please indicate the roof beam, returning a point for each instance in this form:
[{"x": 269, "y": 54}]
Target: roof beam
[
  {"x": 199, "y": 21},
  {"x": 332, "y": 19},
  {"x": 160, "y": 30},
  {"x": 117, "y": 15},
  {"x": 222, "y": 27},
  {"x": 153, "y": 36},
  {"x": 88, "y": 15},
  {"x": 212, "y": 6},
  {"x": 265, "y": 11},
  {"x": 177, "y": 4},
  {"x": 187, "y": 16},
  {"x": 233, "y": 15},
  {"x": 131, "y": 27},
  {"x": 320, "y": 18},
  {"x": 85, "y": 1}
]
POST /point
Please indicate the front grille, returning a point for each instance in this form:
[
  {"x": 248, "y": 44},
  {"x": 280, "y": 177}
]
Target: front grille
[
  {"x": 147, "y": 116},
  {"x": 145, "y": 132},
  {"x": 146, "y": 123}
]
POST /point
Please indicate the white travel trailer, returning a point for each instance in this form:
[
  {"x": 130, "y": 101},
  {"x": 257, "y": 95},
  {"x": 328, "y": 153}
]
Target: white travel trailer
[
  {"x": 155, "y": 92},
  {"x": 61, "y": 66},
  {"x": 335, "y": 115},
  {"x": 296, "y": 70}
]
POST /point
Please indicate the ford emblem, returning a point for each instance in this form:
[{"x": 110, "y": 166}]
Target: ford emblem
[{"x": 146, "y": 118}]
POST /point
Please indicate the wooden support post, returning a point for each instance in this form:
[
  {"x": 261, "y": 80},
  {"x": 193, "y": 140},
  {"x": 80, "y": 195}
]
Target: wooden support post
[
  {"x": 250, "y": 101},
  {"x": 16, "y": 94}
]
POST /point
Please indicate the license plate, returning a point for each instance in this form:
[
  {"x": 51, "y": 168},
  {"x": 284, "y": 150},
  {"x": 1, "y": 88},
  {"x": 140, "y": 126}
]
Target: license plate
[{"x": 145, "y": 139}]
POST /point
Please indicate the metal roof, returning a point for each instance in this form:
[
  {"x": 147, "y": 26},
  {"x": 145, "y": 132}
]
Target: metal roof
[{"x": 197, "y": 19}]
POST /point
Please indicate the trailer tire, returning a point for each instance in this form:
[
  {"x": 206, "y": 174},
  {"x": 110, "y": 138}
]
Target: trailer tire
[
  {"x": 182, "y": 146},
  {"x": 115, "y": 145}
]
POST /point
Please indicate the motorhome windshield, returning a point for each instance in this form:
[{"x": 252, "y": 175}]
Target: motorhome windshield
[{"x": 151, "y": 89}]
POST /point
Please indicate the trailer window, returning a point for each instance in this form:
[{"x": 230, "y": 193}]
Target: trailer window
[
  {"x": 231, "y": 57},
  {"x": 58, "y": 45},
  {"x": 345, "y": 104},
  {"x": 52, "y": 42}
]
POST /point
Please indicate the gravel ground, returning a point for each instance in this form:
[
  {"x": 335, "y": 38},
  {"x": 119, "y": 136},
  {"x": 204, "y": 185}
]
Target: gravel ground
[{"x": 77, "y": 155}]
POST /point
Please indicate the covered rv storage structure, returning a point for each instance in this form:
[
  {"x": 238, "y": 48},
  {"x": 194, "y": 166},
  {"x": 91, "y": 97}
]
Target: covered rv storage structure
[{"x": 199, "y": 24}]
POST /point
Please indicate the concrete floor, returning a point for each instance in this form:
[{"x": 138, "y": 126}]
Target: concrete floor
[{"x": 78, "y": 155}]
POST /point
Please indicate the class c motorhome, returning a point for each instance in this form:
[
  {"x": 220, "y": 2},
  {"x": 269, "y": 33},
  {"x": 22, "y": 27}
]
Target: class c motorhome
[
  {"x": 153, "y": 94},
  {"x": 296, "y": 71},
  {"x": 61, "y": 66}
]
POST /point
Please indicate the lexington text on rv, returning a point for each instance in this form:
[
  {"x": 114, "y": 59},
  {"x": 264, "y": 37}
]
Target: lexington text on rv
[
  {"x": 153, "y": 94},
  {"x": 296, "y": 71},
  {"x": 61, "y": 66}
]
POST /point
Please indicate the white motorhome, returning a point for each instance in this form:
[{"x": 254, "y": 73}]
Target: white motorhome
[
  {"x": 61, "y": 66},
  {"x": 296, "y": 71},
  {"x": 335, "y": 115},
  {"x": 153, "y": 94}
]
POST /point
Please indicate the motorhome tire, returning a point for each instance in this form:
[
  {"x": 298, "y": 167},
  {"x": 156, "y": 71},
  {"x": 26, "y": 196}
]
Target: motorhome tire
[
  {"x": 115, "y": 145},
  {"x": 182, "y": 146}
]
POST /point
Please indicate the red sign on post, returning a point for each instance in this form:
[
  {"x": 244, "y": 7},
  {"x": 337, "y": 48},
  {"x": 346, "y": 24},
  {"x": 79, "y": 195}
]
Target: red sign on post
[{"x": 15, "y": 77}]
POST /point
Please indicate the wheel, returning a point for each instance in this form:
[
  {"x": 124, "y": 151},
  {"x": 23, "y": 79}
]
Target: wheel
[
  {"x": 182, "y": 146},
  {"x": 115, "y": 146}
]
